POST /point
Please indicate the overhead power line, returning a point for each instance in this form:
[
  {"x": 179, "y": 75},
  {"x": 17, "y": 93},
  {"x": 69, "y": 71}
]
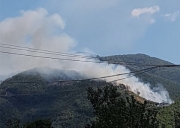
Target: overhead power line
[
  {"x": 77, "y": 56},
  {"x": 16, "y": 47},
  {"x": 78, "y": 60},
  {"x": 137, "y": 73},
  {"x": 46, "y": 57},
  {"x": 80, "y": 79},
  {"x": 130, "y": 73},
  {"x": 64, "y": 55},
  {"x": 145, "y": 71},
  {"x": 103, "y": 77},
  {"x": 134, "y": 72},
  {"x": 55, "y": 58}
]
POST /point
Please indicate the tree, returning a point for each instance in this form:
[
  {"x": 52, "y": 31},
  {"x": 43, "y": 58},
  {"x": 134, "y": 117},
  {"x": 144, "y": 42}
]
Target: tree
[
  {"x": 39, "y": 123},
  {"x": 176, "y": 119},
  {"x": 113, "y": 110},
  {"x": 15, "y": 123}
]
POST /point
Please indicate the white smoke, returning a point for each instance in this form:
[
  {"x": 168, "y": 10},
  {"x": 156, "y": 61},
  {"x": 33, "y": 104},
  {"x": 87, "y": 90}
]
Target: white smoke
[
  {"x": 40, "y": 30},
  {"x": 157, "y": 94}
]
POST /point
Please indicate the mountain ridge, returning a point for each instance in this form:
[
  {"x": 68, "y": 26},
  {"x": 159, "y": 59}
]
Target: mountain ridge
[
  {"x": 168, "y": 77},
  {"x": 66, "y": 103}
]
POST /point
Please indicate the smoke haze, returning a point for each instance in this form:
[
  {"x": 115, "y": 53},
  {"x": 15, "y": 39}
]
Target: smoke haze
[{"x": 40, "y": 30}]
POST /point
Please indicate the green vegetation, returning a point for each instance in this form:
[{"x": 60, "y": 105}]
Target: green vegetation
[
  {"x": 39, "y": 123},
  {"x": 113, "y": 110},
  {"x": 169, "y": 116},
  {"x": 168, "y": 77},
  {"x": 66, "y": 104}
]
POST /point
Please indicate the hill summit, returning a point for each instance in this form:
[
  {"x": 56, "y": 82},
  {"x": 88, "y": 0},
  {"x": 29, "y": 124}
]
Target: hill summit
[{"x": 36, "y": 93}]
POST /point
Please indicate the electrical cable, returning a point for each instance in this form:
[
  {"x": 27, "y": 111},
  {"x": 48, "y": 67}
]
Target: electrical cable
[
  {"x": 64, "y": 59},
  {"x": 131, "y": 75},
  {"x": 133, "y": 72},
  {"x": 54, "y": 53},
  {"x": 64, "y": 54},
  {"x": 44, "y": 51},
  {"x": 47, "y": 57},
  {"x": 146, "y": 70},
  {"x": 107, "y": 76},
  {"x": 136, "y": 73}
]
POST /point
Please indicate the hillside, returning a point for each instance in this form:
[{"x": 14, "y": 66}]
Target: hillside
[
  {"x": 167, "y": 77},
  {"x": 36, "y": 93},
  {"x": 169, "y": 116}
]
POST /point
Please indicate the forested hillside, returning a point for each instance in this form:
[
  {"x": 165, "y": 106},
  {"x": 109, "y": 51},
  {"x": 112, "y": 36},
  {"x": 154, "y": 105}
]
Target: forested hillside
[
  {"x": 31, "y": 95},
  {"x": 37, "y": 94},
  {"x": 169, "y": 77},
  {"x": 34, "y": 94}
]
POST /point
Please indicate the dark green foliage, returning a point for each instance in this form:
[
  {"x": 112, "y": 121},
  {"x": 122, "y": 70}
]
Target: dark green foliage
[
  {"x": 177, "y": 119},
  {"x": 7, "y": 111},
  {"x": 169, "y": 116},
  {"x": 13, "y": 123},
  {"x": 40, "y": 123},
  {"x": 113, "y": 110},
  {"x": 66, "y": 104}
]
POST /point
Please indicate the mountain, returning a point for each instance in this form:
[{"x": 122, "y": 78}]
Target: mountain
[
  {"x": 169, "y": 78},
  {"x": 168, "y": 116},
  {"x": 36, "y": 93}
]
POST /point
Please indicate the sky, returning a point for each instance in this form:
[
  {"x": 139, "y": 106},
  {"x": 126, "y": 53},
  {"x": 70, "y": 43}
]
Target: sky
[{"x": 102, "y": 27}]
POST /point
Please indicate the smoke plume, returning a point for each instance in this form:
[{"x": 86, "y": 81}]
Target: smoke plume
[{"x": 40, "y": 30}]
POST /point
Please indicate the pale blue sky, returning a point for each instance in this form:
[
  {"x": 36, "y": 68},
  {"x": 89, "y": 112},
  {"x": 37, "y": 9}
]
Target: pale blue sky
[{"x": 112, "y": 27}]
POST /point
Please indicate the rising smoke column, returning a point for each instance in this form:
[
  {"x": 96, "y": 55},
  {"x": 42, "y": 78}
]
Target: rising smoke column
[
  {"x": 38, "y": 29},
  {"x": 158, "y": 94}
]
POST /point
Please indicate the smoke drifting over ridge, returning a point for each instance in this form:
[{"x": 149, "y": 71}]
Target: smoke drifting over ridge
[{"x": 37, "y": 29}]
